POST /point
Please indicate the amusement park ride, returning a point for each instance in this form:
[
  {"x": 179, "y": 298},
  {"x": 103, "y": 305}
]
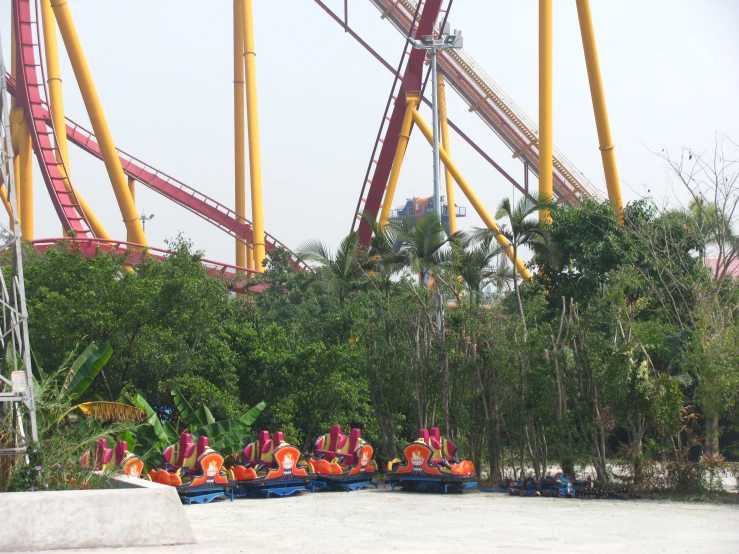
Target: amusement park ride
[{"x": 40, "y": 127}]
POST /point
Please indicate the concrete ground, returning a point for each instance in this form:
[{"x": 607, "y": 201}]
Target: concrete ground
[{"x": 386, "y": 521}]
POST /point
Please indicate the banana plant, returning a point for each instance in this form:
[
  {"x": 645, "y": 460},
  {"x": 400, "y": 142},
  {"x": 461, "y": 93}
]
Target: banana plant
[
  {"x": 225, "y": 436},
  {"x": 59, "y": 390}
]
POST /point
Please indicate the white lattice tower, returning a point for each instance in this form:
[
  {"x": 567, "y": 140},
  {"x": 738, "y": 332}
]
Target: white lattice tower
[{"x": 17, "y": 404}]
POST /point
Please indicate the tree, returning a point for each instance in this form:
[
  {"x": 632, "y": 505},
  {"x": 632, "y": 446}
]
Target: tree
[
  {"x": 337, "y": 274},
  {"x": 421, "y": 242},
  {"x": 474, "y": 259}
]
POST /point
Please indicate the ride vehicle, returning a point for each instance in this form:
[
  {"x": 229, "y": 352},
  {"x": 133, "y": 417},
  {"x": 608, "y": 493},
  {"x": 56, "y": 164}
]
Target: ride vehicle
[
  {"x": 431, "y": 463},
  {"x": 196, "y": 470},
  {"x": 110, "y": 458},
  {"x": 271, "y": 467},
  {"x": 343, "y": 462},
  {"x": 558, "y": 486}
]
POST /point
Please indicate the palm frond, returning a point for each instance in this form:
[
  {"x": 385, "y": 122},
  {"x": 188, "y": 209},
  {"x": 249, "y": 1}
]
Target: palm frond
[{"x": 315, "y": 251}]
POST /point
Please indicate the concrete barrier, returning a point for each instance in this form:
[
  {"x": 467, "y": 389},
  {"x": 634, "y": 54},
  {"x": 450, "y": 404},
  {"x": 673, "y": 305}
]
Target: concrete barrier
[{"x": 133, "y": 512}]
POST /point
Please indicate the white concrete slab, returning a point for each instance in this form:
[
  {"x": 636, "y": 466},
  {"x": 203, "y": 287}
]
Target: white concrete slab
[{"x": 135, "y": 513}]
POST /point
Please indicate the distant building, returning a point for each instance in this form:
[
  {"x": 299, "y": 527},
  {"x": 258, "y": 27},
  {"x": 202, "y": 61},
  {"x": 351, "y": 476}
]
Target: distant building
[{"x": 419, "y": 207}]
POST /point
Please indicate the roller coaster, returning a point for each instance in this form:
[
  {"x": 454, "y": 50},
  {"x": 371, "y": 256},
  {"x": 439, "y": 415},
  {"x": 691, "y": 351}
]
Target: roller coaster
[{"x": 39, "y": 126}]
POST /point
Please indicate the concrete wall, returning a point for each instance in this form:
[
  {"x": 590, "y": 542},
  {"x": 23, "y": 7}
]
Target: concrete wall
[{"x": 133, "y": 512}]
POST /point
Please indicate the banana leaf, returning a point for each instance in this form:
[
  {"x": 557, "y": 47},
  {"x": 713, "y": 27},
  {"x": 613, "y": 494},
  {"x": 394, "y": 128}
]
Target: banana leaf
[
  {"x": 86, "y": 368},
  {"x": 251, "y": 416},
  {"x": 227, "y": 436},
  {"x": 130, "y": 439},
  {"x": 164, "y": 432},
  {"x": 111, "y": 411},
  {"x": 205, "y": 415},
  {"x": 190, "y": 416}
]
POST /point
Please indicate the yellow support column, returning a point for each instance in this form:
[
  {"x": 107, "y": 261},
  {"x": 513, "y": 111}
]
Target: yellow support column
[
  {"x": 255, "y": 163},
  {"x": 90, "y": 97},
  {"x": 411, "y": 102},
  {"x": 17, "y": 179},
  {"x": 56, "y": 101},
  {"x": 546, "y": 131},
  {"x": 467, "y": 190},
  {"x": 250, "y": 257},
  {"x": 25, "y": 189},
  {"x": 444, "y": 123},
  {"x": 599, "y": 104},
  {"x": 132, "y": 188},
  {"x": 239, "y": 141},
  {"x": 6, "y": 203},
  {"x": 16, "y": 122}
]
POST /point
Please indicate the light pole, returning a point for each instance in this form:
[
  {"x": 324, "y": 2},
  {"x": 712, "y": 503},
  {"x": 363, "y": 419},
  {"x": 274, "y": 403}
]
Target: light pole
[
  {"x": 144, "y": 219},
  {"x": 428, "y": 42}
]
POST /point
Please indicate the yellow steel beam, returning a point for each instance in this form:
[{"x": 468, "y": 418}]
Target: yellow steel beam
[
  {"x": 255, "y": 163},
  {"x": 25, "y": 188},
  {"x": 56, "y": 101},
  {"x": 16, "y": 120},
  {"x": 545, "y": 103},
  {"x": 239, "y": 141},
  {"x": 6, "y": 203},
  {"x": 250, "y": 257},
  {"x": 411, "y": 102},
  {"x": 132, "y": 188},
  {"x": 471, "y": 197},
  {"x": 90, "y": 97},
  {"x": 444, "y": 123},
  {"x": 599, "y": 105}
]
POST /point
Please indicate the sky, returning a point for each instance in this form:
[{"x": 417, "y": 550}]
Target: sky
[{"x": 164, "y": 74}]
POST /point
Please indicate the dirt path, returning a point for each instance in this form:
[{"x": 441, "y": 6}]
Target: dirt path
[{"x": 385, "y": 521}]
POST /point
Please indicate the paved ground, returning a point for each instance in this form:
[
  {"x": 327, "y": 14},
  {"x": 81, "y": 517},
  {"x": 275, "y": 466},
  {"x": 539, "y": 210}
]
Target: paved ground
[{"x": 386, "y": 521}]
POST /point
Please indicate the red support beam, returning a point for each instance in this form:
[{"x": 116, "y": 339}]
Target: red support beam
[{"x": 412, "y": 82}]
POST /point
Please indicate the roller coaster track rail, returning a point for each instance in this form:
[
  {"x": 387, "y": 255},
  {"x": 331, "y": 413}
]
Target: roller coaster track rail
[{"x": 494, "y": 106}]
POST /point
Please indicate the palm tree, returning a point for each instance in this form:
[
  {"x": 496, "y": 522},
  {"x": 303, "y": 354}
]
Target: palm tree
[
  {"x": 338, "y": 273},
  {"x": 522, "y": 231},
  {"x": 716, "y": 229},
  {"x": 420, "y": 243},
  {"x": 473, "y": 260},
  {"x": 383, "y": 259}
]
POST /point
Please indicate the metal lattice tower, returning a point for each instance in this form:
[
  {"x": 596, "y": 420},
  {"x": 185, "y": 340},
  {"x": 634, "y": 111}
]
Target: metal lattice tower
[{"x": 17, "y": 404}]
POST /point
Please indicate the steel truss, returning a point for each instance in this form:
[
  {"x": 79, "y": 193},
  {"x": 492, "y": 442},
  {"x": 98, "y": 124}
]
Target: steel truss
[{"x": 17, "y": 404}]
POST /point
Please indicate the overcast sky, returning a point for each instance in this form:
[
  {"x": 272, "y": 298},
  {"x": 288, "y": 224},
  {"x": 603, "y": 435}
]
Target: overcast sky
[{"x": 163, "y": 70}]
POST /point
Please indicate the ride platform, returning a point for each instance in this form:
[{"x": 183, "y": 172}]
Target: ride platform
[
  {"x": 343, "y": 462},
  {"x": 275, "y": 488},
  {"x": 348, "y": 485},
  {"x": 431, "y": 464},
  {"x": 203, "y": 495}
]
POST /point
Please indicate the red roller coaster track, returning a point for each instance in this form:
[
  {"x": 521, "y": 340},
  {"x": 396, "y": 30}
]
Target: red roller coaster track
[
  {"x": 411, "y": 82},
  {"x": 30, "y": 92},
  {"x": 31, "y": 96}
]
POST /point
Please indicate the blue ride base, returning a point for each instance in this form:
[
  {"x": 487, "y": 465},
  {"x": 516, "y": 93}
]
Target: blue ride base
[
  {"x": 279, "y": 488},
  {"x": 348, "y": 486},
  {"x": 204, "y": 495},
  {"x": 429, "y": 484}
]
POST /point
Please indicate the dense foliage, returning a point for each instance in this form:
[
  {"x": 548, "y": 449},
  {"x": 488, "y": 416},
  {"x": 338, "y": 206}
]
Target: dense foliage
[{"x": 623, "y": 347}]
